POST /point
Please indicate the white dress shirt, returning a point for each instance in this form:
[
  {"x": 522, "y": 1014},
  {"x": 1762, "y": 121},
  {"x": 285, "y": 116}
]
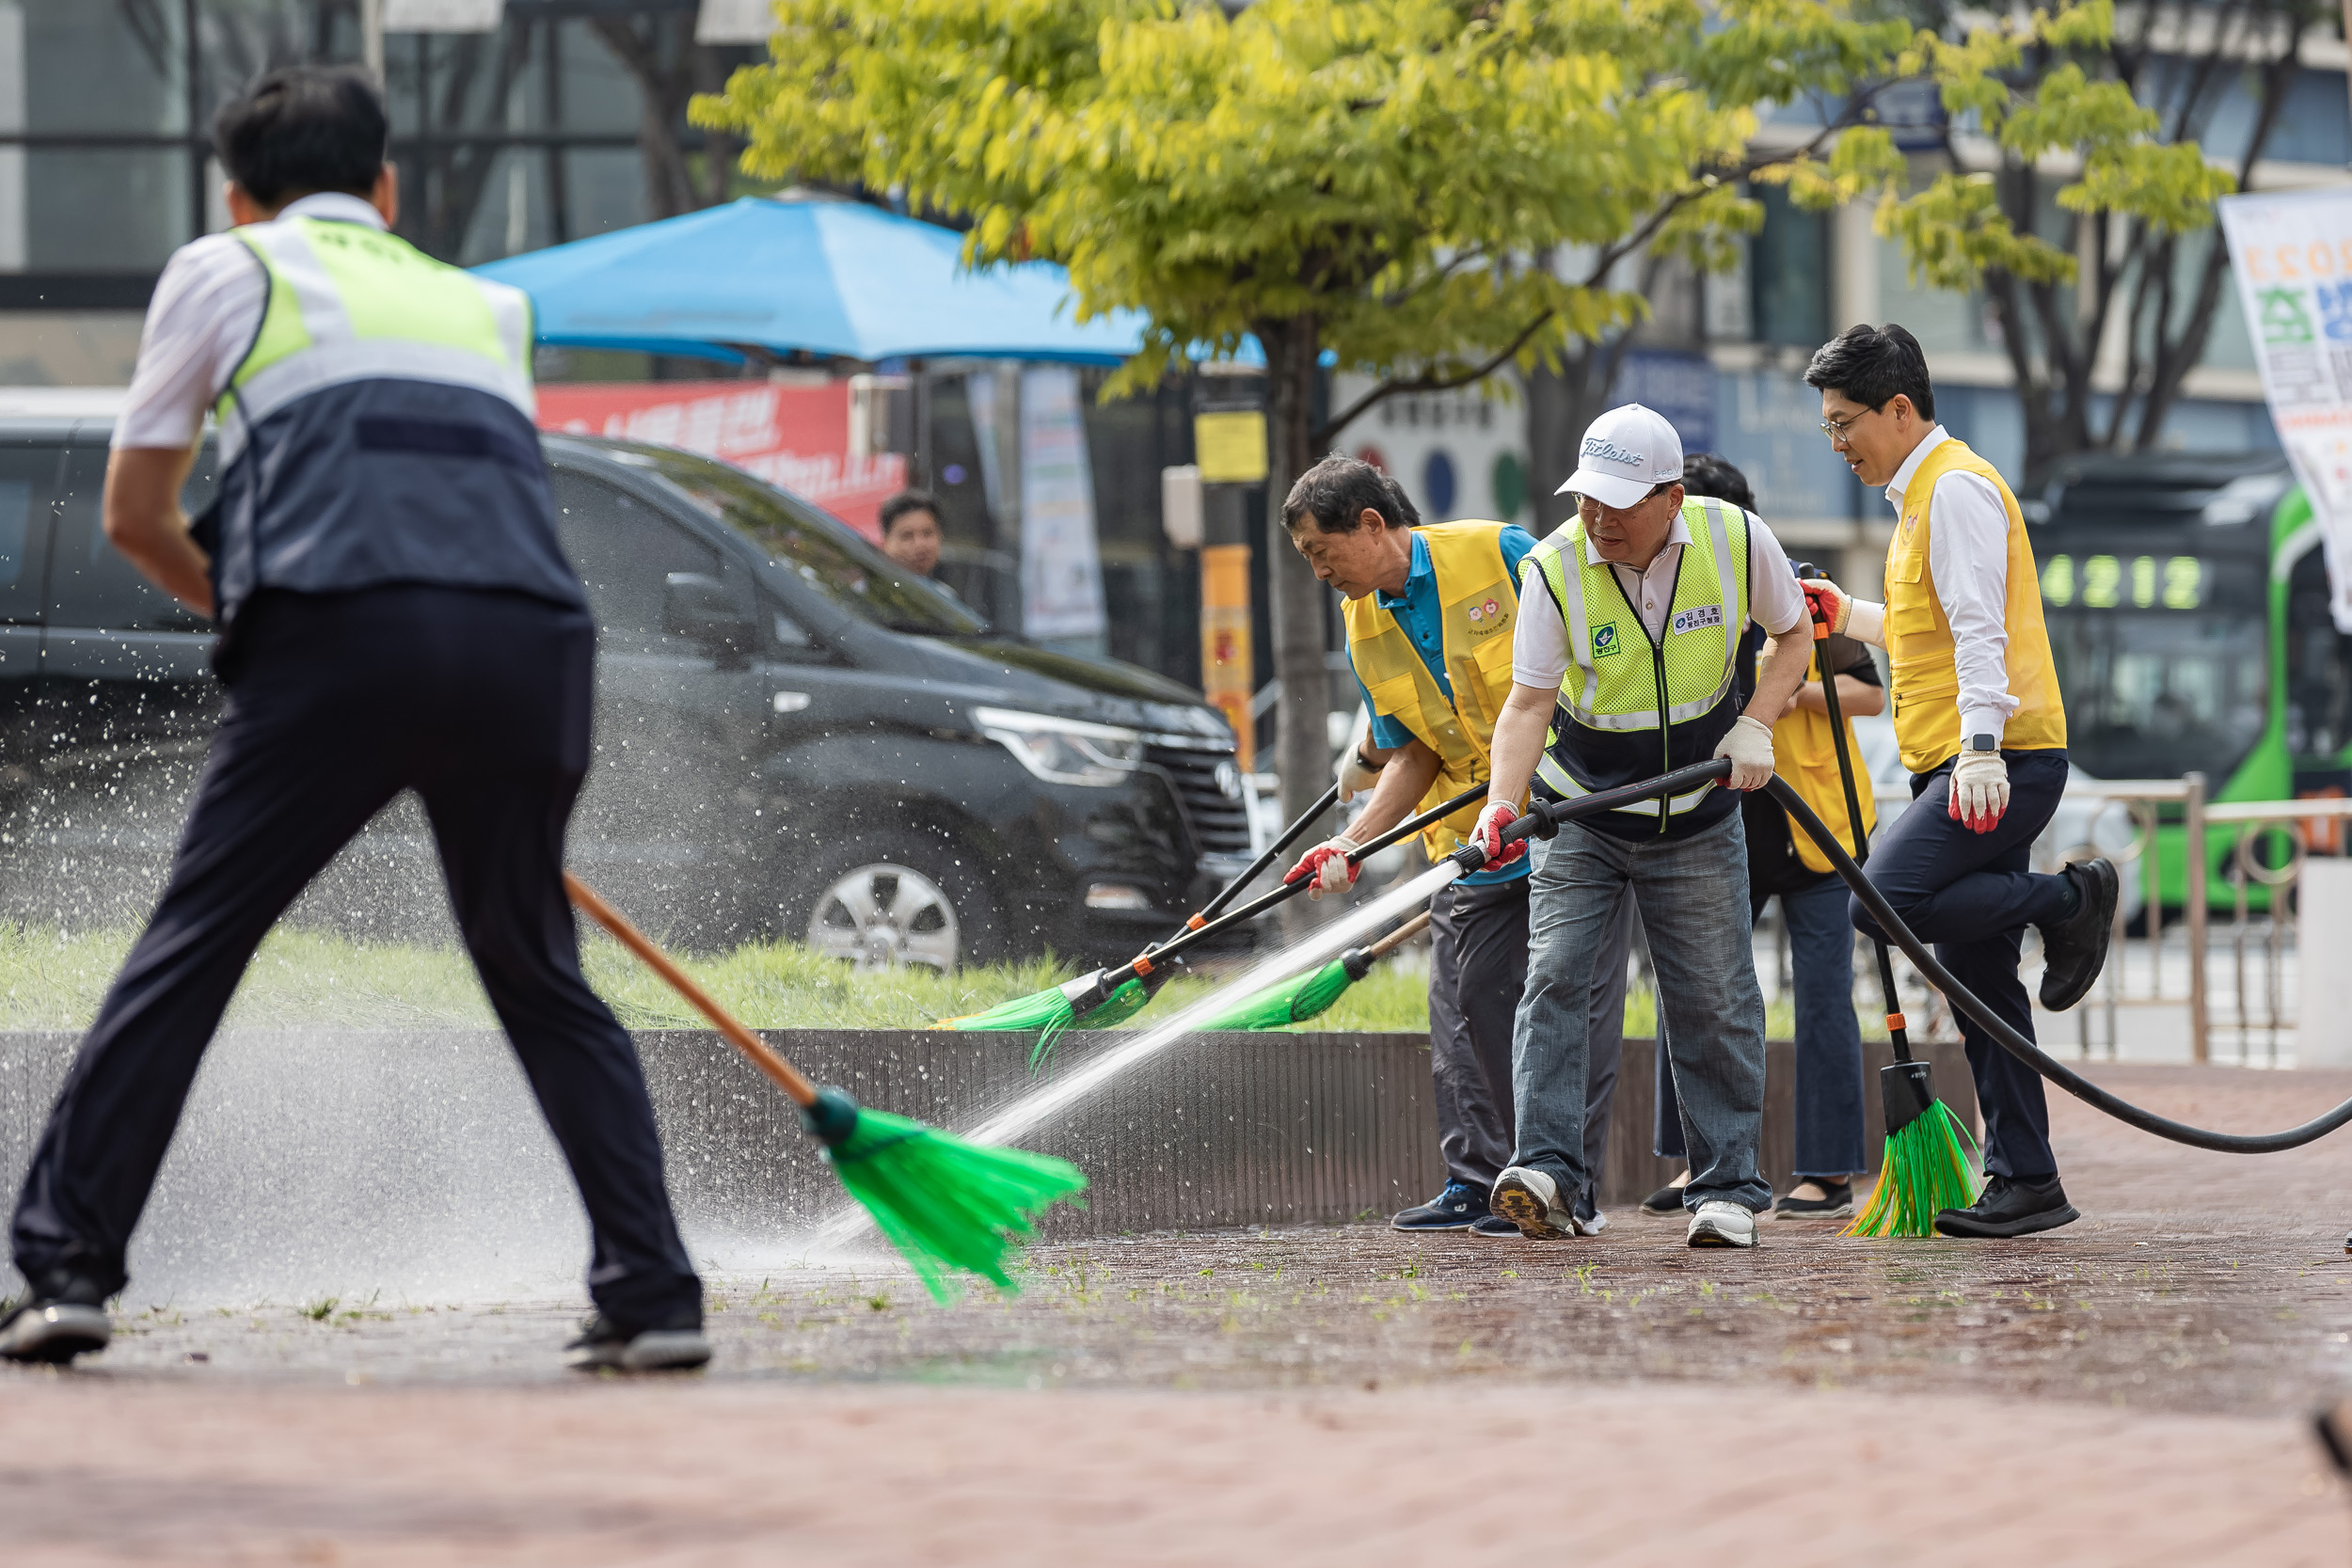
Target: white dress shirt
[
  {"x": 1968, "y": 557},
  {"x": 1539, "y": 648},
  {"x": 206, "y": 313}
]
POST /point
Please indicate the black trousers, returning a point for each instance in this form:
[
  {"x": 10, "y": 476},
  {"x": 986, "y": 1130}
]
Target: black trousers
[
  {"x": 1477, "y": 969},
  {"x": 479, "y": 702},
  {"x": 1972, "y": 896}
]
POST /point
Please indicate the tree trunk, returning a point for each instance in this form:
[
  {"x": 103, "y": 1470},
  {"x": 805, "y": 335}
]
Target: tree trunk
[{"x": 1302, "y": 748}]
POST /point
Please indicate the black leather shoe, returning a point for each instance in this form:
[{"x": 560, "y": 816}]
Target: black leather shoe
[
  {"x": 2009, "y": 1207},
  {"x": 58, "y": 1320},
  {"x": 1668, "y": 1200},
  {"x": 2074, "y": 949},
  {"x": 673, "y": 1345}
]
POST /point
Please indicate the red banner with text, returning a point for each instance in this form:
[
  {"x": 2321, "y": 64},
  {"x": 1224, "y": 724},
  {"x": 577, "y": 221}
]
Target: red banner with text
[{"x": 795, "y": 437}]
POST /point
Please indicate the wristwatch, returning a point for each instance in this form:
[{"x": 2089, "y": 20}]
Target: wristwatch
[{"x": 1982, "y": 743}]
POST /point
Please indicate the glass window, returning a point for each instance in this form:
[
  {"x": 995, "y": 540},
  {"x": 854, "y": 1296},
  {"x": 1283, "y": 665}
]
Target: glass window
[
  {"x": 91, "y": 583},
  {"x": 29, "y": 488},
  {"x": 1788, "y": 272},
  {"x": 827, "y": 555},
  {"x": 625, "y": 553}
]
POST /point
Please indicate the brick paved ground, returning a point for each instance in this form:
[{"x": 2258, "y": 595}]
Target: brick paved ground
[{"x": 2131, "y": 1389}]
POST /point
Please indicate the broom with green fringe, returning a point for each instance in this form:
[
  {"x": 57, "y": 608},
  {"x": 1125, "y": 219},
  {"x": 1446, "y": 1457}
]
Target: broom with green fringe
[
  {"x": 1931, "y": 1161},
  {"x": 945, "y": 1204},
  {"x": 1083, "y": 1003},
  {"x": 1297, "y": 1000}
]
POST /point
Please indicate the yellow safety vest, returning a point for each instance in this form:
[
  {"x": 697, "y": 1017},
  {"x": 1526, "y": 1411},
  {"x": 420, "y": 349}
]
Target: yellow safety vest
[
  {"x": 1926, "y": 679},
  {"x": 1631, "y": 709},
  {"x": 1481, "y": 607},
  {"x": 1804, "y": 752}
]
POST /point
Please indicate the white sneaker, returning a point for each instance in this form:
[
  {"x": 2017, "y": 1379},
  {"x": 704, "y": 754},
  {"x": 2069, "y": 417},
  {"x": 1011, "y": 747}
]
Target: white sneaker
[
  {"x": 1720, "y": 1224},
  {"x": 1531, "y": 1200}
]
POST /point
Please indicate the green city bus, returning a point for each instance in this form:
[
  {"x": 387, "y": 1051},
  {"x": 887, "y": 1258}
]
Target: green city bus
[{"x": 2187, "y": 598}]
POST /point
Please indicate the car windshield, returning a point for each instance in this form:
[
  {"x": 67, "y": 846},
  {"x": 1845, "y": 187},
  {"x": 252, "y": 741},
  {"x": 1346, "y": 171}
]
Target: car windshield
[
  {"x": 2162, "y": 661},
  {"x": 823, "y": 550}
]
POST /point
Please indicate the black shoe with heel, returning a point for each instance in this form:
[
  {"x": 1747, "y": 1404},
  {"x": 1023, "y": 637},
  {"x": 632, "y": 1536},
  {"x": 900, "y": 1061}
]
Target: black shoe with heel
[
  {"x": 2008, "y": 1206},
  {"x": 2074, "y": 949}
]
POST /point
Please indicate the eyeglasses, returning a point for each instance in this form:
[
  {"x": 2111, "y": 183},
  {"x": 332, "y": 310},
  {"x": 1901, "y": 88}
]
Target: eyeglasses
[
  {"x": 1836, "y": 429},
  {"x": 1585, "y": 502}
]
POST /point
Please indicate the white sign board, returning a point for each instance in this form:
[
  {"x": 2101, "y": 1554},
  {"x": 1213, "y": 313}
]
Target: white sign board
[
  {"x": 2291, "y": 254},
  {"x": 443, "y": 16},
  {"x": 1061, "y": 575}
]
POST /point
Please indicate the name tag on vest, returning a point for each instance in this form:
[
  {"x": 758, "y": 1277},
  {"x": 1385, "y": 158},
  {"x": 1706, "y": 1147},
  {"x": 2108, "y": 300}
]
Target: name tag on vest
[{"x": 1704, "y": 615}]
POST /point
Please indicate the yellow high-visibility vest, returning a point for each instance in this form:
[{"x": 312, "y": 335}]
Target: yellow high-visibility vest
[
  {"x": 1924, "y": 677},
  {"x": 1804, "y": 752},
  {"x": 1481, "y": 606}
]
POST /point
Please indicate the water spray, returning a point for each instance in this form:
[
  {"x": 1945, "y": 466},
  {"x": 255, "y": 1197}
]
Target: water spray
[
  {"x": 1057, "y": 1007},
  {"x": 1089, "y": 991},
  {"x": 945, "y": 1204}
]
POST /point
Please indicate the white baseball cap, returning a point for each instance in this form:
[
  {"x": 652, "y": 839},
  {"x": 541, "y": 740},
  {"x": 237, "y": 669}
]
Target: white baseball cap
[{"x": 1627, "y": 452}]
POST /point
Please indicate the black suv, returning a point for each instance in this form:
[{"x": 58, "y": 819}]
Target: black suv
[{"x": 794, "y": 739}]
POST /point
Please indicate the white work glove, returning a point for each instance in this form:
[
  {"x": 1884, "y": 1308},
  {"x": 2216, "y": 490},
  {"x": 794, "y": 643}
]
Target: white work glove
[
  {"x": 1864, "y": 619},
  {"x": 1328, "y": 864},
  {"x": 1488, "y": 835},
  {"x": 1356, "y": 774},
  {"x": 1980, "y": 791},
  {"x": 1749, "y": 745}
]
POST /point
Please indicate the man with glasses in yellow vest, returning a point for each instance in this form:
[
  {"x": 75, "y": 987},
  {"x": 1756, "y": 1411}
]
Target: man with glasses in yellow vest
[
  {"x": 1429, "y": 614},
  {"x": 1626, "y": 665},
  {"x": 1982, "y": 728},
  {"x": 395, "y": 614}
]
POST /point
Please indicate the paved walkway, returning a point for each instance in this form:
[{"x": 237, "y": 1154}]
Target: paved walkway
[{"x": 2132, "y": 1390}]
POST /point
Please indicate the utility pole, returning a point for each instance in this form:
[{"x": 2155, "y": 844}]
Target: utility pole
[{"x": 372, "y": 37}]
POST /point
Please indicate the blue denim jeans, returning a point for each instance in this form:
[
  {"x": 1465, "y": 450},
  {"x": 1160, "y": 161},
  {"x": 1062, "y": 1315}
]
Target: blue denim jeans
[
  {"x": 1829, "y": 1037},
  {"x": 1693, "y": 895}
]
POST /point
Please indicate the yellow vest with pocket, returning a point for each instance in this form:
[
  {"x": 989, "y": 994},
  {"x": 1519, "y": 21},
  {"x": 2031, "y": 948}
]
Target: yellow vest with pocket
[
  {"x": 1923, "y": 674},
  {"x": 1481, "y": 605}
]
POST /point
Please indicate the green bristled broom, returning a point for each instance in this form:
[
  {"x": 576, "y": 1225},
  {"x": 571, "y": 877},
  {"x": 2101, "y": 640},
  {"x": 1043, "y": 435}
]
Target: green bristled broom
[
  {"x": 1086, "y": 1003},
  {"x": 1296, "y": 1000},
  {"x": 1930, "y": 1163},
  {"x": 945, "y": 1204}
]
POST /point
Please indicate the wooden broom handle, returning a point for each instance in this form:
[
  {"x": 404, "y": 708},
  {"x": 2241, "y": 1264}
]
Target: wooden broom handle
[
  {"x": 787, "y": 1077},
  {"x": 1404, "y": 933}
]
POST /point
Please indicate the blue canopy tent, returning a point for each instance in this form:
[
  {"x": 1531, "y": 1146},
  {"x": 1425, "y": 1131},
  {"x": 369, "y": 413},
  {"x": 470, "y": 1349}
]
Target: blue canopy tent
[{"x": 824, "y": 279}]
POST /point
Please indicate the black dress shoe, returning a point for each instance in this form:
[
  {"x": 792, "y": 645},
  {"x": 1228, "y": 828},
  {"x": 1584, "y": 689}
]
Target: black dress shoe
[
  {"x": 59, "y": 1319},
  {"x": 1668, "y": 1200},
  {"x": 2011, "y": 1208},
  {"x": 2074, "y": 950}
]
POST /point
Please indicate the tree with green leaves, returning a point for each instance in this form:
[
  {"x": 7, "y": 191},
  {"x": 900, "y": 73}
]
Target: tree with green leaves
[
  {"x": 2076, "y": 196},
  {"x": 1427, "y": 191}
]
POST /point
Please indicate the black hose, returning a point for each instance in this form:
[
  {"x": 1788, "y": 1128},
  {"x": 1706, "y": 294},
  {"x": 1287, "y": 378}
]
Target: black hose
[{"x": 2018, "y": 1045}]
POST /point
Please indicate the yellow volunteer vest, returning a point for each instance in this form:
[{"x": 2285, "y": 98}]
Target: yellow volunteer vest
[
  {"x": 1481, "y": 606},
  {"x": 1804, "y": 752},
  {"x": 1925, "y": 679}
]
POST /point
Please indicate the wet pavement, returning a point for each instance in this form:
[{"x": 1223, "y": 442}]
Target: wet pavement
[{"x": 2131, "y": 1388}]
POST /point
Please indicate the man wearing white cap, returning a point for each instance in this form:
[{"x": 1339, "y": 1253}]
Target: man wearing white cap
[{"x": 1623, "y": 667}]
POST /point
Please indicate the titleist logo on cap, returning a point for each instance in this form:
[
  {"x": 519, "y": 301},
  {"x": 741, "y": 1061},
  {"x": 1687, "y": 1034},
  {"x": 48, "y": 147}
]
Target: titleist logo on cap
[{"x": 1608, "y": 451}]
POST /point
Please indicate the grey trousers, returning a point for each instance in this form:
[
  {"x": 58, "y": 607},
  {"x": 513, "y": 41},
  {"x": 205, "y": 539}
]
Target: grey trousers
[{"x": 1477, "y": 969}]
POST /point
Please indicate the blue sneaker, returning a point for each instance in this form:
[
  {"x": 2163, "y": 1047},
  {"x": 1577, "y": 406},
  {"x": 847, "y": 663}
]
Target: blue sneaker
[{"x": 1458, "y": 1207}]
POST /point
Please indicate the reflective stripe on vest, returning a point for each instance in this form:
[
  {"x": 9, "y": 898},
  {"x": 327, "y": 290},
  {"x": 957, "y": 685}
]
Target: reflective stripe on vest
[
  {"x": 1922, "y": 669},
  {"x": 1479, "y": 610},
  {"x": 1610, "y": 694},
  {"x": 351, "y": 303}
]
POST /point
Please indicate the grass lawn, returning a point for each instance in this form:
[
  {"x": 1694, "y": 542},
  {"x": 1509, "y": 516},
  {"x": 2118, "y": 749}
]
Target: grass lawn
[{"x": 53, "y": 980}]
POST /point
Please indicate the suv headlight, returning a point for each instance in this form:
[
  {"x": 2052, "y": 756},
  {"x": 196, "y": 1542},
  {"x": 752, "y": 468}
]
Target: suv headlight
[{"x": 1063, "y": 751}]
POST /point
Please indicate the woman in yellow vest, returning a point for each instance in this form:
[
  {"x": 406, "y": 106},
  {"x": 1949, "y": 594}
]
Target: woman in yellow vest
[
  {"x": 1787, "y": 866},
  {"x": 1983, "y": 731},
  {"x": 1429, "y": 614}
]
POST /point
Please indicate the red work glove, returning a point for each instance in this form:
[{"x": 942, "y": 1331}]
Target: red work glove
[
  {"x": 1488, "y": 835},
  {"x": 1327, "y": 864},
  {"x": 1827, "y": 602}
]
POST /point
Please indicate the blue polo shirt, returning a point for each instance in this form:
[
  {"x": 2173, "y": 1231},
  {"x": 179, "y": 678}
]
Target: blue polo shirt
[{"x": 1419, "y": 611}]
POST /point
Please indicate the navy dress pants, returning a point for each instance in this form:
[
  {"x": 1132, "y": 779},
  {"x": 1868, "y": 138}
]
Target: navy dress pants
[
  {"x": 1971, "y": 895},
  {"x": 479, "y": 702}
]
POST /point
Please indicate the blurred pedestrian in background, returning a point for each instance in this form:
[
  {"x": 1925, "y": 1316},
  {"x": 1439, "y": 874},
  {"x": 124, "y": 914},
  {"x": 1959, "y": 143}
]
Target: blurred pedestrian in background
[{"x": 910, "y": 532}]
